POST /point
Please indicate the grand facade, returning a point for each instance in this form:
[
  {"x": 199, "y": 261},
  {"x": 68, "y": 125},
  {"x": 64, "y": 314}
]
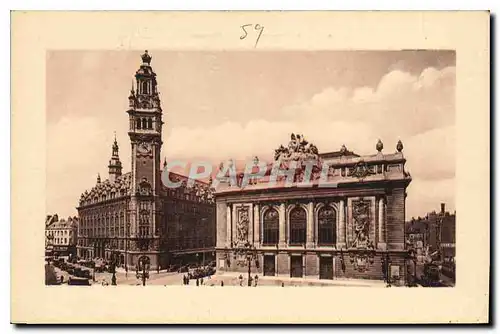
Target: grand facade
[
  {"x": 349, "y": 222},
  {"x": 134, "y": 215}
]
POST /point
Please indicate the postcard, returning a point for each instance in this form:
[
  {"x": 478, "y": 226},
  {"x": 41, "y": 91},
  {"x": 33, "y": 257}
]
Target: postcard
[{"x": 250, "y": 167}]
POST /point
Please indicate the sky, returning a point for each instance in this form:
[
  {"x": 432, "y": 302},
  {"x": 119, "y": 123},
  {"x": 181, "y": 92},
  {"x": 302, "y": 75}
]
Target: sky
[{"x": 241, "y": 104}]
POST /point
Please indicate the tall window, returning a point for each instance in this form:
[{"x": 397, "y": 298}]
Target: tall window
[
  {"x": 144, "y": 123},
  {"x": 326, "y": 226},
  {"x": 298, "y": 222},
  {"x": 144, "y": 87},
  {"x": 271, "y": 227},
  {"x": 150, "y": 123}
]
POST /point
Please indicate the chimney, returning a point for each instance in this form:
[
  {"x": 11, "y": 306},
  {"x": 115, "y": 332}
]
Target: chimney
[{"x": 442, "y": 208}]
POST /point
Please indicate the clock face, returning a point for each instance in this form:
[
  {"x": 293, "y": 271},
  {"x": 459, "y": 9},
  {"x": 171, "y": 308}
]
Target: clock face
[{"x": 144, "y": 147}]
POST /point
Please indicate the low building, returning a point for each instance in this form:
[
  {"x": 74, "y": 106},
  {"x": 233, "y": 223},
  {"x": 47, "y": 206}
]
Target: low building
[
  {"x": 417, "y": 235},
  {"x": 349, "y": 223},
  {"x": 61, "y": 236},
  {"x": 436, "y": 231}
]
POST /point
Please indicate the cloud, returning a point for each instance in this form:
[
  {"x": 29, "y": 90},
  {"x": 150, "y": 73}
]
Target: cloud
[
  {"x": 401, "y": 103},
  {"x": 418, "y": 109}
]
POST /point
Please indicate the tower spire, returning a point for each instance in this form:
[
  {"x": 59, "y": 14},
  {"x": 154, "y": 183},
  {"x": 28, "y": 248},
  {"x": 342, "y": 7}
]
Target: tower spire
[{"x": 115, "y": 165}]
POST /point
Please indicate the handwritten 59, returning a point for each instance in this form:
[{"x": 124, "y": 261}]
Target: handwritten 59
[{"x": 258, "y": 28}]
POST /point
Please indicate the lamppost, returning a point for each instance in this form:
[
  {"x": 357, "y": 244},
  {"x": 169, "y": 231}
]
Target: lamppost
[
  {"x": 143, "y": 262},
  {"x": 144, "y": 266},
  {"x": 411, "y": 255},
  {"x": 114, "y": 259},
  {"x": 386, "y": 265},
  {"x": 246, "y": 253},
  {"x": 94, "y": 245},
  {"x": 126, "y": 248}
]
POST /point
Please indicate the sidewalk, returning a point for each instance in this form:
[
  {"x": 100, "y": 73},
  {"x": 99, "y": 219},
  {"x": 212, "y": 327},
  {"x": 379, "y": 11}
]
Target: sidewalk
[{"x": 231, "y": 278}]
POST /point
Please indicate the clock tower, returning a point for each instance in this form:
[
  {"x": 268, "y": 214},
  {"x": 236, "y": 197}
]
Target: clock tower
[{"x": 145, "y": 125}]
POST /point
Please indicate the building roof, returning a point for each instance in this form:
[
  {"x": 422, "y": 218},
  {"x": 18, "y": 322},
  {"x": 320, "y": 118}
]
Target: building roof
[
  {"x": 201, "y": 191},
  {"x": 338, "y": 154},
  {"x": 331, "y": 169},
  {"x": 120, "y": 187},
  {"x": 71, "y": 222}
]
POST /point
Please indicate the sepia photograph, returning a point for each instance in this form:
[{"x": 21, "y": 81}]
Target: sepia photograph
[{"x": 179, "y": 168}]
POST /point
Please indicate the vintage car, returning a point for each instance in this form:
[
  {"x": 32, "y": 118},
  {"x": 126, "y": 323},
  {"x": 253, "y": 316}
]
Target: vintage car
[
  {"x": 183, "y": 269},
  {"x": 78, "y": 281},
  {"x": 86, "y": 273}
]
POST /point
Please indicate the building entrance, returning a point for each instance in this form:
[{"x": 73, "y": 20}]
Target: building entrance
[
  {"x": 325, "y": 267},
  {"x": 296, "y": 268},
  {"x": 269, "y": 265}
]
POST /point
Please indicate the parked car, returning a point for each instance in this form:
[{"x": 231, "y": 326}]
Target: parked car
[
  {"x": 86, "y": 273},
  {"x": 78, "y": 281},
  {"x": 173, "y": 268}
]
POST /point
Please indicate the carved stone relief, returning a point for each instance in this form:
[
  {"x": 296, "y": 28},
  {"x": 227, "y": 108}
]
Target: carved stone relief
[{"x": 361, "y": 223}]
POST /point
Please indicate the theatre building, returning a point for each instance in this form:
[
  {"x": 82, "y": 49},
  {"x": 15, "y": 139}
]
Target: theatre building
[
  {"x": 349, "y": 222},
  {"x": 134, "y": 215}
]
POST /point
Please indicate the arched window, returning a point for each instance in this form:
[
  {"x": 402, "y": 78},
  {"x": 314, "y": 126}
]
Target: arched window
[
  {"x": 271, "y": 227},
  {"x": 298, "y": 222},
  {"x": 327, "y": 226},
  {"x": 150, "y": 123},
  {"x": 138, "y": 123},
  {"x": 144, "y": 123},
  {"x": 144, "y": 87}
]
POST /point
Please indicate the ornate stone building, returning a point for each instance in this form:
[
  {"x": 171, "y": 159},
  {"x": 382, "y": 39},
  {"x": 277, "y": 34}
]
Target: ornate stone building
[
  {"x": 349, "y": 221},
  {"x": 135, "y": 214}
]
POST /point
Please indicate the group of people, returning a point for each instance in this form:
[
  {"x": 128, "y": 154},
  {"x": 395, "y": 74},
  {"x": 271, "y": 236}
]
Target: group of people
[
  {"x": 185, "y": 280},
  {"x": 255, "y": 280}
]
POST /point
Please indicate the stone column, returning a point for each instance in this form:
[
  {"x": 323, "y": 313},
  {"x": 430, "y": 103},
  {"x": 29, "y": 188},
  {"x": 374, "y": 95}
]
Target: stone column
[
  {"x": 381, "y": 224},
  {"x": 310, "y": 225},
  {"x": 282, "y": 224},
  {"x": 342, "y": 225},
  {"x": 228, "y": 226},
  {"x": 256, "y": 225}
]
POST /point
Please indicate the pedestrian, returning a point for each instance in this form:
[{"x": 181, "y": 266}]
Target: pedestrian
[
  {"x": 221, "y": 283},
  {"x": 241, "y": 280},
  {"x": 201, "y": 281},
  {"x": 282, "y": 284},
  {"x": 256, "y": 278},
  {"x": 158, "y": 269},
  {"x": 197, "y": 282}
]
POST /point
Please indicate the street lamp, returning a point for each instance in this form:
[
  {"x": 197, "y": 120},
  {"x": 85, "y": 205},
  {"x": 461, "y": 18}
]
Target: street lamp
[
  {"x": 246, "y": 253},
  {"x": 126, "y": 248},
  {"x": 411, "y": 255},
  {"x": 114, "y": 260},
  {"x": 143, "y": 265},
  {"x": 386, "y": 265}
]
